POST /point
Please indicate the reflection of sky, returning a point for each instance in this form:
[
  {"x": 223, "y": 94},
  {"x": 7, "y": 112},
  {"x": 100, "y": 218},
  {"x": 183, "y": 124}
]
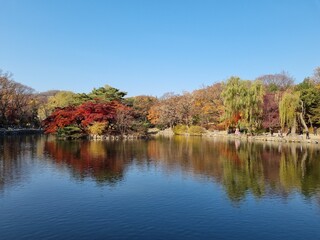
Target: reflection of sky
[{"x": 150, "y": 203}]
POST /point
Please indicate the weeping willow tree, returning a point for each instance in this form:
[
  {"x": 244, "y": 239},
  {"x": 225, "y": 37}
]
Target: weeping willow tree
[
  {"x": 291, "y": 109},
  {"x": 252, "y": 111},
  {"x": 243, "y": 102},
  {"x": 232, "y": 95}
]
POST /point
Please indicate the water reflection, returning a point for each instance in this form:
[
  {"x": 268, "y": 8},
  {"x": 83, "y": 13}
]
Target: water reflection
[
  {"x": 260, "y": 169},
  {"x": 16, "y": 154},
  {"x": 90, "y": 159}
]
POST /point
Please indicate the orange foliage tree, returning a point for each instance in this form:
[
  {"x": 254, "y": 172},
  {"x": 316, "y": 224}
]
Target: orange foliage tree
[{"x": 208, "y": 105}]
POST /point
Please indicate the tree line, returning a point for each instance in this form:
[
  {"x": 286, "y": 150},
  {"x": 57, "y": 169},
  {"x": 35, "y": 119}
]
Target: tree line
[
  {"x": 18, "y": 103},
  {"x": 268, "y": 102}
]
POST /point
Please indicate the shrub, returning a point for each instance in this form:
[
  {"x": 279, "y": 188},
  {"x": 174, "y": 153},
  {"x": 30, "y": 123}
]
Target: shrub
[
  {"x": 70, "y": 132},
  {"x": 97, "y": 128},
  {"x": 196, "y": 130},
  {"x": 180, "y": 129},
  {"x": 192, "y": 130}
]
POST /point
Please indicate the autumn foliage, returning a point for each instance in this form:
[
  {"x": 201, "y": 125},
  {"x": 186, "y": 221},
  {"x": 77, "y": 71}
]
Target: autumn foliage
[
  {"x": 235, "y": 103},
  {"x": 83, "y": 115},
  {"x": 271, "y": 111},
  {"x": 18, "y": 103}
]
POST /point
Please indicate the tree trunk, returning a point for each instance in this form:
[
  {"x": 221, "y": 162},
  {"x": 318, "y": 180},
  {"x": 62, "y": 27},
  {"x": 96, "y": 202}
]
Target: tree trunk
[
  {"x": 294, "y": 126},
  {"x": 303, "y": 122},
  {"x": 310, "y": 120}
]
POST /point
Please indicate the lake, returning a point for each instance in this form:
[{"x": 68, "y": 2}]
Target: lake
[{"x": 166, "y": 188}]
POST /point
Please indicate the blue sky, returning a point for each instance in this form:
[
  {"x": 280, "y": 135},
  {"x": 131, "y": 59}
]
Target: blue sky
[{"x": 155, "y": 46}]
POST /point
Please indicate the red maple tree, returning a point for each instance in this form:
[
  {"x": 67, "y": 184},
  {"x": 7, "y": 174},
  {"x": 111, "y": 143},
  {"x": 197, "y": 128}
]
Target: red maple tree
[{"x": 83, "y": 115}]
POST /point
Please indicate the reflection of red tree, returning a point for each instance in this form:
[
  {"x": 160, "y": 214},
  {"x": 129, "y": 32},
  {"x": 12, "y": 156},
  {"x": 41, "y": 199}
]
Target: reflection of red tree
[
  {"x": 87, "y": 159},
  {"x": 271, "y": 163},
  {"x": 229, "y": 153}
]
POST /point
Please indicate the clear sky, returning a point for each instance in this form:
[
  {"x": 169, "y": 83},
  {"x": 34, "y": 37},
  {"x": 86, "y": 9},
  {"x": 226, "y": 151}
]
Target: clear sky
[{"x": 155, "y": 46}]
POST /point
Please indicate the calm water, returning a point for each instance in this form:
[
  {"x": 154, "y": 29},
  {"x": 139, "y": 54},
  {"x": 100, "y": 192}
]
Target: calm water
[{"x": 179, "y": 188}]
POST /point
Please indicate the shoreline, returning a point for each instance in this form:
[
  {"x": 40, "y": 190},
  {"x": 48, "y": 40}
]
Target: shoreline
[
  {"x": 314, "y": 139},
  {"x": 22, "y": 131},
  {"x": 267, "y": 138}
]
